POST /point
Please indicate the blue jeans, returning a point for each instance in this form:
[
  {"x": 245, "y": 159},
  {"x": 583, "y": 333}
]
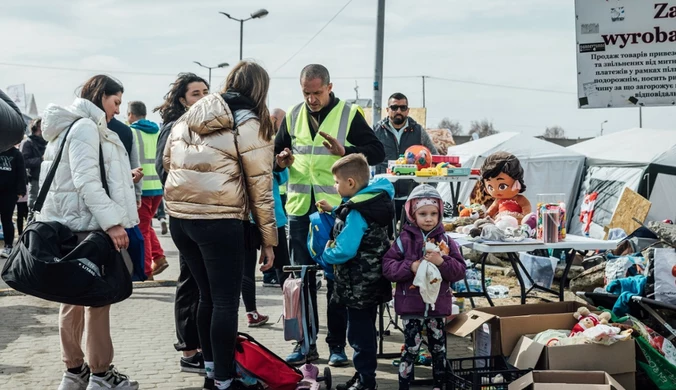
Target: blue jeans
[
  {"x": 336, "y": 318},
  {"x": 361, "y": 333}
]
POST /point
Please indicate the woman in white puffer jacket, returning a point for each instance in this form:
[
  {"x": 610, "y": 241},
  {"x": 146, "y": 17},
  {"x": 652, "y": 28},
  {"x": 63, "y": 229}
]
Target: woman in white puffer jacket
[{"x": 78, "y": 200}]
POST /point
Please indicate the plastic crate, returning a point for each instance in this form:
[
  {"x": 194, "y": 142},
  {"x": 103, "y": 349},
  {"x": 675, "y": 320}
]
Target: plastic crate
[
  {"x": 479, "y": 373},
  {"x": 458, "y": 172},
  {"x": 436, "y": 159}
]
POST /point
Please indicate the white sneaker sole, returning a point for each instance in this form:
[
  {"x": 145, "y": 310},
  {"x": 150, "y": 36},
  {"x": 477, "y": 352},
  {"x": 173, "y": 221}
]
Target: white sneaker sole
[
  {"x": 193, "y": 370},
  {"x": 257, "y": 324}
]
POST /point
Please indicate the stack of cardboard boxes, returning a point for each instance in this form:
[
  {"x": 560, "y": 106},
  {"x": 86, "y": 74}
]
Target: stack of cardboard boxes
[{"x": 507, "y": 331}]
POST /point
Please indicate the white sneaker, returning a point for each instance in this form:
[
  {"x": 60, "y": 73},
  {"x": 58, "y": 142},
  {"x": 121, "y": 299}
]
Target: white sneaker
[
  {"x": 112, "y": 380},
  {"x": 6, "y": 252},
  {"x": 72, "y": 381}
]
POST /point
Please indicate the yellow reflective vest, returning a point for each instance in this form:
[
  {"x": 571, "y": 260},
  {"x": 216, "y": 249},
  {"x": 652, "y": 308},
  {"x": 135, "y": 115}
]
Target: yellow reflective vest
[
  {"x": 311, "y": 170},
  {"x": 147, "y": 148}
]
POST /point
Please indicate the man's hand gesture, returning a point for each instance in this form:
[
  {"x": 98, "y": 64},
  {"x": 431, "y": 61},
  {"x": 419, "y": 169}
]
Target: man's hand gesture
[
  {"x": 285, "y": 158},
  {"x": 332, "y": 145}
]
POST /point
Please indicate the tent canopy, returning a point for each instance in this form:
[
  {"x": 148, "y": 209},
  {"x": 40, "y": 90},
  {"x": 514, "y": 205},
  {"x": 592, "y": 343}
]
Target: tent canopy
[
  {"x": 549, "y": 168},
  {"x": 643, "y": 160},
  {"x": 522, "y": 146},
  {"x": 630, "y": 147}
]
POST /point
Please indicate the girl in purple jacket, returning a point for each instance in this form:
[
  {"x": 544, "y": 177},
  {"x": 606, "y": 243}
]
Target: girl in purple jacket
[{"x": 424, "y": 209}]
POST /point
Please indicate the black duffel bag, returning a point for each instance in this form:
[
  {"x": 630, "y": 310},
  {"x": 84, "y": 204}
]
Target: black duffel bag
[{"x": 49, "y": 263}]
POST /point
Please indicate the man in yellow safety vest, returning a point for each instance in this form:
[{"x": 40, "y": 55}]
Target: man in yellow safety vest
[
  {"x": 314, "y": 135},
  {"x": 146, "y": 133}
]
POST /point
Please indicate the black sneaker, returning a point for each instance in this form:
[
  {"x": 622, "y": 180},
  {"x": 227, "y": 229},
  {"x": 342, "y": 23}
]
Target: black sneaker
[
  {"x": 272, "y": 282},
  {"x": 209, "y": 384},
  {"x": 355, "y": 384},
  {"x": 350, "y": 383},
  {"x": 194, "y": 364}
]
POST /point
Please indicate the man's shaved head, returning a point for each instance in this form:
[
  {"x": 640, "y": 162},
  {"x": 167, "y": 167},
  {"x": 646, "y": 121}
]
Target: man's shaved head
[{"x": 277, "y": 115}]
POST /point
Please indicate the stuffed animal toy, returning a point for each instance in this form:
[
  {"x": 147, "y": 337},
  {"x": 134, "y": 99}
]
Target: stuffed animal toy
[
  {"x": 474, "y": 211},
  {"x": 587, "y": 320},
  {"x": 605, "y": 334}
]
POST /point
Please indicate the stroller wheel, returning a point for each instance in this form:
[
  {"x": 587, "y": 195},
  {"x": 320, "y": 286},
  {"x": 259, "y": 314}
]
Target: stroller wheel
[{"x": 327, "y": 378}]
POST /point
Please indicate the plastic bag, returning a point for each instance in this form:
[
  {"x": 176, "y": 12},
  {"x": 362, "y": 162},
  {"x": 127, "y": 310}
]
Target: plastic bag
[
  {"x": 620, "y": 267},
  {"x": 428, "y": 279},
  {"x": 541, "y": 269},
  {"x": 665, "y": 275}
]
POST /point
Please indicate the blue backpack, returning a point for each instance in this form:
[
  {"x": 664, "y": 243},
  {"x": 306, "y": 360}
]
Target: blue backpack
[{"x": 319, "y": 234}]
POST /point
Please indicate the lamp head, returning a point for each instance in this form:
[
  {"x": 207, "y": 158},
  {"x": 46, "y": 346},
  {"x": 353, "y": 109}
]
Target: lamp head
[{"x": 259, "y": 14}]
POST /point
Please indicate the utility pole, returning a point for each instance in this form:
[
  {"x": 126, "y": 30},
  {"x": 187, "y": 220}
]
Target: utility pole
[
  {"x": 378, "y": 76},
  {"x": 423, "y": 80},
  {"x": 640, "y": 116},
  {"x": 356, "y": 89},
  {"x": 241, "y": 39}
]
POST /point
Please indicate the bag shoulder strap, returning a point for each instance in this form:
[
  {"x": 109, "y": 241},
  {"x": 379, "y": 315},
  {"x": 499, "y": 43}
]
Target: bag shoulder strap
[
  {"x": 52, "y": 172},
  {"x": 44, "y": 190}
]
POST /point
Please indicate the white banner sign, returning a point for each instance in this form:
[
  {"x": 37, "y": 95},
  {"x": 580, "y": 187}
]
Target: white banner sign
[
  {"x": 18, "y": 95},
  {"x": 626, "y": 53}
]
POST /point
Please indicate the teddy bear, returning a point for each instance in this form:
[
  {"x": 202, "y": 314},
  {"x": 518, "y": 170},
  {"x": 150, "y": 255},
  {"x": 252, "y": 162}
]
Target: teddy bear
[{"x": 588, "y": 320}]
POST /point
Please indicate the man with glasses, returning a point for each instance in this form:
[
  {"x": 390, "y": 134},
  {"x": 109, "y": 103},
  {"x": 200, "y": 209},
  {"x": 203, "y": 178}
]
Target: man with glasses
[{"x": 398, "y": 132}]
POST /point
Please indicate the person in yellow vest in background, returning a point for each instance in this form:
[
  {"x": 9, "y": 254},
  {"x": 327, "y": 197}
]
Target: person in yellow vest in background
[
  {"x": 147, "y": 133},
  {"x": 314, "y": 135}
]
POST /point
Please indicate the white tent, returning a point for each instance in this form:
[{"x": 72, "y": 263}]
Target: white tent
[
  {"x": 641, "y": 159},
  {"x": 548, "y": 168}
]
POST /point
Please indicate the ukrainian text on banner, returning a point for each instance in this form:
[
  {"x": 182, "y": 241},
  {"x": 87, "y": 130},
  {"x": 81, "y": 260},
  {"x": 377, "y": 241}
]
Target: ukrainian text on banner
[{"x": 626, "y": 53}]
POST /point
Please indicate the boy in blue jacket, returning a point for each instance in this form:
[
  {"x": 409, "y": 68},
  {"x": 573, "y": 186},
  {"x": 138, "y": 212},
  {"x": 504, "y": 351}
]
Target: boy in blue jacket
[{"x": 358, "y": 242}]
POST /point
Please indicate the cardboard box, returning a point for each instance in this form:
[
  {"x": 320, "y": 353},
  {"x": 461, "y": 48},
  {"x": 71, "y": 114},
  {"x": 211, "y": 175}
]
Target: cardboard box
[
  {"x": 497, "y": 330},
  {"x": 566, "y": 380},
  {"x": 618, "y": 360}
]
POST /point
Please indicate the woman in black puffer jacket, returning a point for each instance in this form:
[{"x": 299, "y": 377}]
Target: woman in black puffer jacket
[{"x": 12, "y": 126}]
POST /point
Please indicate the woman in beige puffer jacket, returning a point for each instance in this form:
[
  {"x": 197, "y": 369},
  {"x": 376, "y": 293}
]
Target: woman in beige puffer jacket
[{"x": 219, "y": 159}]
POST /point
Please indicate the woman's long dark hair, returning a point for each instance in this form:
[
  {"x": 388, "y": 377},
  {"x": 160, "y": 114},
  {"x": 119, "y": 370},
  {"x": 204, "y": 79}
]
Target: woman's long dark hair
[
  {"x": 99, "y": 86},
  {"x": 172, "y": 109}
]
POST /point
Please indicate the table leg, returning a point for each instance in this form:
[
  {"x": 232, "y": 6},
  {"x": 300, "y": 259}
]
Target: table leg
[
  {"x": 381, "y": 328},
  {"x": 455, "y": 194},
  {"x": 570, "y": 257},
  {"x": 514, "y": 260},
  {"x": 471, "y": 300},
  {"x": 483, "y": 278},
  {"x": 381, "y": 333}
]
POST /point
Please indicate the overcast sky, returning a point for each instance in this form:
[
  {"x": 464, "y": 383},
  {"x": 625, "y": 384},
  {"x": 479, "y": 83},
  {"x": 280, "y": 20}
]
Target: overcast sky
[{"x": 144, "y": 43}]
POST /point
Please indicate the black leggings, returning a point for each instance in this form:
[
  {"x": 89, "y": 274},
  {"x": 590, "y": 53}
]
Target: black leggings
[
  {"x": 7, "y": 203},
  {"x": 21, "y": 215},
  {"x": 281, "y": 255},
  {"x": 249, "y": 280},
  {"x": 214, "y": 253}
]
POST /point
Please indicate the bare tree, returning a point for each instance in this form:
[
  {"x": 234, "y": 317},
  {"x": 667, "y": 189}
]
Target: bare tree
[
  {"x": 483, "y": 128},
  {"x": 453, "y": 126},
  {"x": 554, "y": 132}
]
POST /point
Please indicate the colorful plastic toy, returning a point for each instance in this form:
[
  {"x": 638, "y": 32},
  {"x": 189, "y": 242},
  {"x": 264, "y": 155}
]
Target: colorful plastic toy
[
  {"x": 422, "y": 156},
  {"x": 427, "y": 172},
  {"x": 405, "y": 169}
]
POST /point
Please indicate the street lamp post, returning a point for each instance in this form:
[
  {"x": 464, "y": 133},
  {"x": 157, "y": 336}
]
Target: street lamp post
[
  {"x": 256, "y": 15},
  {"x": 602, "y": 123},
  {"x": 221, "y": 65}
]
